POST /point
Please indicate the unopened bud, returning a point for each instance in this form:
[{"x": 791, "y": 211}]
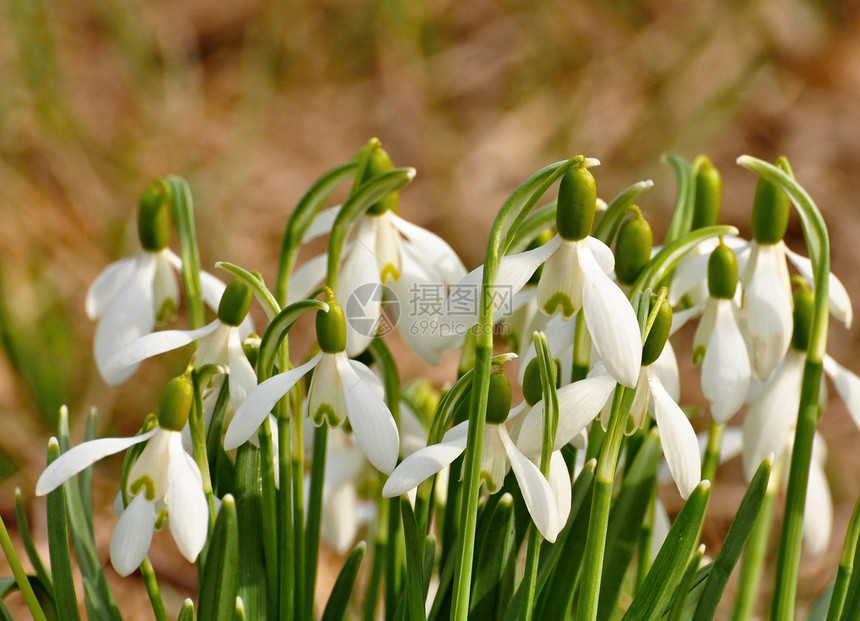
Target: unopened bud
[
  {"x": 804, "y": 308},
  {"x": 235, "y": 302},
  {"x": 577, "y": 200},
  {"x": 153, "y": 221},
  {"x": 331, "y": 328},
  {"x": 658, "y": 335},
  {"x": 499, "y": 399},
  {"x": 175, "y": 404},
  {"x": 771, "y": 208},
  {"x": 709, "y": 194},
  {"x": 376, "y": 162},
  {"x": 633, "y": 248},
  {"x": 722, "y": 272}
]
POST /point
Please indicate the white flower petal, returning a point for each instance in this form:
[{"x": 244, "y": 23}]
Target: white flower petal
[
  {"x": 561, "y": 282},
  {"x": 426, "y": 462},
  {"x": 513, "y": 273},
  {"x": 681, "y": 317},
  {"x": 536, "y": 491},
  {"x": 372, "y": 423},
  {"x": 691, "y": 274},
  {"x": 767, "y": 307},
  {"x": 321, "y": 224},
  {"x": 772, "y": 414},
  {"x": 360, "y": 291},
  {"x": 129, "y": 316},
  {"x": 559, "y": 482},
  {"x": 339, "y": 525},
  {"x": 243, "y": 379},
  {"x": 187, "y": 510},
  {"x": 108, "y": 284},
  {"x": 818, "y": 520},
  {"x": 662, "y": 524},
  {"x": 666, "y": 369},
  {"x": 840, "y": 301},
  {"x": 83, "y": 456},
  {"x": 678, "y": 439},
  {"x": 132, "y": 535},
  {"x": 413, "y": 436},
  {"x": 305, "y": 279},
  {"x": 847, "y": 385},
  {"x": 726, "y": 371},
  {"x": 611, "y": 322},
  {"x": 602, "y": 254},
  {"x": 260, "y": 402},
  {"x": 435, "y": 251},
  {"x": 326, "y": 401},
  {"x": 147, "y": 346},
  {"x": 579, "y": 403}
]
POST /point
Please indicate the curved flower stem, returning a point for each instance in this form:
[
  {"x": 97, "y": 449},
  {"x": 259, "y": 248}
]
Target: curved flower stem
[
  {"x": 818, "y": 244},
  {"x": 511, "y": 215},
  {"x": 595, "y": 546},
  {"x": 289, "y": 563}
]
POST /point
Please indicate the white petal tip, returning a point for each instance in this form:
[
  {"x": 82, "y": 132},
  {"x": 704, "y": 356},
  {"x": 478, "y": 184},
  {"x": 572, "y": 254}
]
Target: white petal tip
[{"x": 591, "y": 162}]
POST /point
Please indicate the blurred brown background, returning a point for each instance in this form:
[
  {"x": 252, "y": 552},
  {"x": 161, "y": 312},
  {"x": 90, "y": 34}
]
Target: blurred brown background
[{"x": 252, "y": 100}]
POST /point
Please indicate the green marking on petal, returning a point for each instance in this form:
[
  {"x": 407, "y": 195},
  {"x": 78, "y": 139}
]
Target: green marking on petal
[
  {"x": 488, "y": 480},
  {"x": 389, "y": 271},
  {"x": 559, "y": 299},
  {"x": 160, "y": 519},
  {"x": 166, "y": 312},
  {"x": 145, "y": 483},
  {"x": 698, "y": 355},
  {"x": 325, "y": 413}
]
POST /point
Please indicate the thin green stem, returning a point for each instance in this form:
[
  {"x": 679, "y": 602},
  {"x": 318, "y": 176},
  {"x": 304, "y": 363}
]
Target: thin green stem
[
  {"x": 288, "y": 565},
  {"x": 379, "y": 543},
  {"x": 755, "y": 555},
  {"x": 846, "y": 566},
  {"x": 595, "y": 547},
  {"x": 20, "y": 574},
  {"x": 151, "y": 584},
  {"x": 315, "y": 508},
  {"x": 712, "y": 451}
]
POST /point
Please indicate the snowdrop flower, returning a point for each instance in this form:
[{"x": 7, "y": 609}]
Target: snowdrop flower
[
  {"x": 164, "y": 483},
  {"x": 340, "y": 389},
  {"x": 719, "y": 344},
  {"x": 220, "y": 342},
  {"x": 498, "y": 455},
  {"x": 416, "y": 265},
  {"x": 772, "y": 414},
  {"x": 575, "y": 275},
  {"x": 134, "y": 294}
]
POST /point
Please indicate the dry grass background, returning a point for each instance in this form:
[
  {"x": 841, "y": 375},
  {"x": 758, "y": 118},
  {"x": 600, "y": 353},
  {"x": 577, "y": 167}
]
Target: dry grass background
[{"x": 252, "y": 100}]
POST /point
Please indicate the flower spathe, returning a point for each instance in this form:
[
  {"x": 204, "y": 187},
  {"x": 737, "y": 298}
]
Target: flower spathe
[
  {"x": 164, "y": 482},
  {"x": 498, "y": 455},
  {"x": 340, "y": 389}
]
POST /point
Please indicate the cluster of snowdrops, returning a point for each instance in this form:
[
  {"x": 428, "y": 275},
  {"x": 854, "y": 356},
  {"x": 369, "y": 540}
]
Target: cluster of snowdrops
[{"x": 474, "y": 504}]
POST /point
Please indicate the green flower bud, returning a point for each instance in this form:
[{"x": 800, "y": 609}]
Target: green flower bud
[
  {"x": 804, "y": 305},
  {"x": 153, "y": 221},
  {"x": 376, "y": 161},
  {"x": 577, "y": 200},
  {"x": 658, "y": 335},
  {"x": 235, "y": 302},
  {"x": 709, "y": 194},
  {"x": 532, "y": 385},
  {"x": 175, "y": 405},
  {"x": 633, "y": 248},
  {"x": 331, "y": 328},
  {"x": 722, "y": 272},
  {"x": 499, "y": 399},
  {"x": 771, "y": 208},
  {"x": 251, "y": 347}
]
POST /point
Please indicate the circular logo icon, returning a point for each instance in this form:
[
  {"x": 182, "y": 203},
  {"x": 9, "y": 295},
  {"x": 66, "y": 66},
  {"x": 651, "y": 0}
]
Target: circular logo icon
[{"x": 372, "y": 309}]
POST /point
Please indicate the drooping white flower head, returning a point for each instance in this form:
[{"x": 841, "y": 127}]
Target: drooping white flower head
[
  {"x": 543, "y": 498},
  {"x": 341, "y": 389},
  {"x": 163, "y": 483},
  {"x": 131, "y": 296},
  {"x": 220, "y": 342}
]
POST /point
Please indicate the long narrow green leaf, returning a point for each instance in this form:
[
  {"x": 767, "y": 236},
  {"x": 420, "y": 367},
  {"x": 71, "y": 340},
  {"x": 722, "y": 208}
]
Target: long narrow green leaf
[
  {"x": 667, "y": 571},
  {"x": 733, "y": 546},
  {"x": 625, "y": 519},
  {"x": 846, "y": 566},
  {"x": 252, "y": 573},
  {"x": 414, "y": 591},
  {"x": 29, "y": 545},
  {"x": 186, "y": 613},
  {"x": 219, "y": 586},
  {"x": 679, "y": 600},
  {"x": 21, "y": 578},
  {"x": 338, "y": 601},
  {"x": 606, "y": 228},
  {"x": 495, "y": 550},
  {"x": 58, "y": 547}
]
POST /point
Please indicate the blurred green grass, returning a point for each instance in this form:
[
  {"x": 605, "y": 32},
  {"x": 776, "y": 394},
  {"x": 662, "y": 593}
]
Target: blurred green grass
[{"x": 252, "y": 100}]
